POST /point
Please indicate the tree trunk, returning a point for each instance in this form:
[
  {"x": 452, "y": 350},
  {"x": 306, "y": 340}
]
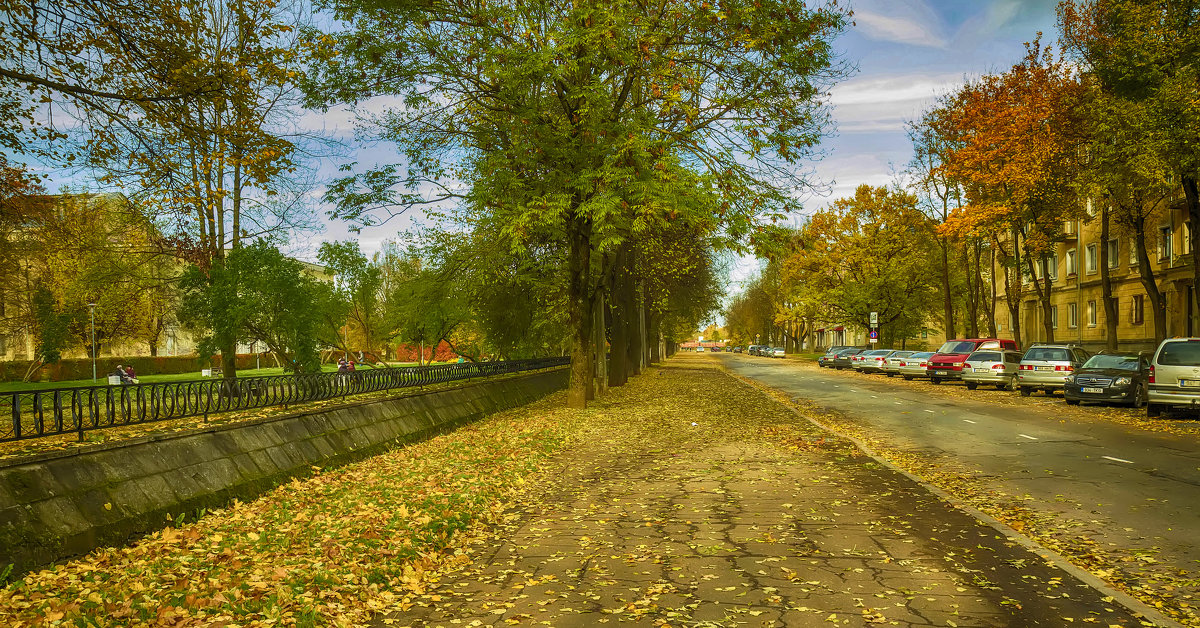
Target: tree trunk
[
  {"x": 229, "y": 360},
  {"x": 153, "y": 348},
  {"x": 599, "y": 344},
  {"x": 991, "y": 304},
  {"x": 1110, "y": 308},
  {"x": 579, "y": 313},
  {"x": 1158, "y": 302},
  {"x": 947, "y": 298},
  {"x": 1013, "y": 286},
  {"x": 637, "y": 328},
  {"x": 618, "y": 367},
  {"x": 1191, "y": 197},
  {"x": 971, "y": 325}
]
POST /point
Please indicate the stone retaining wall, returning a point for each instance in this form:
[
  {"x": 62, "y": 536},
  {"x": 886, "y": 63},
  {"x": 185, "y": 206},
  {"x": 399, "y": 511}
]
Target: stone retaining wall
[{"x": 53, "y": 506}]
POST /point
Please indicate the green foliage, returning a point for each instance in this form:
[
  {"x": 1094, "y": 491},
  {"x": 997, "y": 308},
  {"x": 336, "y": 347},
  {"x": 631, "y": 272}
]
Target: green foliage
[
  {"x": 256, "y": 294},
  {"x": 52, "y": 326}
]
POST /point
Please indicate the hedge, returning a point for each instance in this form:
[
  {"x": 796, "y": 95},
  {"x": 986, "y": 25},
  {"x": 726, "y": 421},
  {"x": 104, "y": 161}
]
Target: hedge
[{"x": 81, "y": 368}]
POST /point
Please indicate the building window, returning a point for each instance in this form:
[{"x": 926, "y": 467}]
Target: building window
[
  {"x": 1072, "y": 264},
  {"x": 1091, "y": 312},
  {"x": 1053, "y": 317},
  {"x": 924, "y": 333},
  {"x": 1090, "y": 260},
  {"x": 1187, "y": 237},
  {"x": 1052, "y": 266},
  {"x": 1133, "y": 252},
  {"x": 1135, "y": 312},
  {"x": 1072, "y": 315},
  {"x": 1164, "y": 243},
  {"x": 1114, "y": 249}
]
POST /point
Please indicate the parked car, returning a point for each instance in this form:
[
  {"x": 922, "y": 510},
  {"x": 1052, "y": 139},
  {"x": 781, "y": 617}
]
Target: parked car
[
  {"x": 737, "y": 349},
  {"x": 1174, "y": 376},
  {"x": 891, "y": 364},
  {"x": 827, "y": 359},
  {"x": 856, "y": 362},
  {"x": 778, "y": 352},
  {"x": 915, "y": 365},
  {"x": 872, "y": 361},
  {"x": 947, "y": 362},
  {"x": 752, "y": 350},
  {"x": 1110, "y": 377},
  {"x": 844, "y": 357},
  {"x": 991, "y": 367},
  {"x": 1046, "y": 366}
]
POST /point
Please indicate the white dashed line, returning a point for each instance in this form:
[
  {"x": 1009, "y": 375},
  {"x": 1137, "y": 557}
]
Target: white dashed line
[
  {"x": 1027, "y": 436},
  {"x": 899, "y": 403},
  {"x": 874, "y": 396},
  {"x": 929, "y": 411},
  {"x": 969, "y": 421},
  {"x": 1117, "y": 459}
]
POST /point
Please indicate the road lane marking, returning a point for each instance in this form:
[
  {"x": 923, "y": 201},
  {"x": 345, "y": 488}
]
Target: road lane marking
[
  {"x": 874, "y": 396},
  {"x": 899, "y": 403},
  {"x": 1027, "y": 436},
  {"x": 969, "y": 421},
  {"x": 929, "y": 411},
  {"x": 1117, "y": 459}
]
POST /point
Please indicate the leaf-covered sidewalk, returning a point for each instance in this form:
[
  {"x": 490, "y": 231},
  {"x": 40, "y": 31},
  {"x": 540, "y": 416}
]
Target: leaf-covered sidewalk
[{"x": 682, "y": 498}]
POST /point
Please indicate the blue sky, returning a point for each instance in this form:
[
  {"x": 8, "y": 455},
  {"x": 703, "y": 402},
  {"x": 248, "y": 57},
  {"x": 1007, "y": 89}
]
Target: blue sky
[{"x": 907, "y": 53}]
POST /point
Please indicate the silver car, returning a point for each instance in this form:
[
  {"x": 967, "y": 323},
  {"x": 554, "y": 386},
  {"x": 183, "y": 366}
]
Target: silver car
[
  {"x": 1174, "y": 376},
  {"x": 991, "y": 367},
  {"x": 915, "y": 365},
  {"x": 872, "y": 361},
  {"x": 1046, "y": 367},
  {"x": 891, "y": 364},
  {"x": 778, "y": 352}
]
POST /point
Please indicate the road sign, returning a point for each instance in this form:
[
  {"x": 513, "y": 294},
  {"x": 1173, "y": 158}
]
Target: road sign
[
  {"x": 874, "y": 318},
  {"x": 874, "y": 335}
]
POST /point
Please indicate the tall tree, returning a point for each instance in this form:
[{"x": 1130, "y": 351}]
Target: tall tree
[{"x": 568, "y": 120}]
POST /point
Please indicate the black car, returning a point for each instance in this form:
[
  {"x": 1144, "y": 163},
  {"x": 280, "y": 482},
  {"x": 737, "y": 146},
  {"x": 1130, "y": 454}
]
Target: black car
[
  {"x": 1111, "y": 378},
  {"x": 842, "y": 361}
]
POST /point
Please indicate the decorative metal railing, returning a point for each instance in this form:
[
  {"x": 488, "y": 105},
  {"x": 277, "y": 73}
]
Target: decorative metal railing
[{"x": 41, "y": 413}]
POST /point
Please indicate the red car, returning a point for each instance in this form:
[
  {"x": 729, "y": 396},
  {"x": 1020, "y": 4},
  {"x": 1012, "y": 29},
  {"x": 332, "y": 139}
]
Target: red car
[{"x": 947, "y": 363}]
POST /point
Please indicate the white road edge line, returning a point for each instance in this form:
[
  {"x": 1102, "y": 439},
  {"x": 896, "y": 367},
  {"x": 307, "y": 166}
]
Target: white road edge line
[
  {"x": 969, "y": 421},
  {"x": 1117, "y": 459},
  {"x": 1027, "y": 436}
]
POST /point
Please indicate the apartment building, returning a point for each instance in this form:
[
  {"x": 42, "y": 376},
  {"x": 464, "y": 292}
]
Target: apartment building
[{"x": 1077, "y": 309}]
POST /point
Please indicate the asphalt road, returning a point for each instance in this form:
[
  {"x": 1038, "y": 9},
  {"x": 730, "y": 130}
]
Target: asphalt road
[{"x": 1124, "y": 487}]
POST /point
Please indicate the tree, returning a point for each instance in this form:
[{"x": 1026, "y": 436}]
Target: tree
[
  {"x": 360, "y": 284},
  {"x": 869, "y": 253},
  {"x": 257, "y": 295},
  {"x": 1143, "y": 55},
  {"x": 1015, "y": 142},
  {"x": 579, "y": 122}
]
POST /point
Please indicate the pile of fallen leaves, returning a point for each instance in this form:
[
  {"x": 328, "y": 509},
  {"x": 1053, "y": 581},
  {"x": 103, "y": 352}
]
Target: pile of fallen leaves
[{"x": 333, "y": 548}]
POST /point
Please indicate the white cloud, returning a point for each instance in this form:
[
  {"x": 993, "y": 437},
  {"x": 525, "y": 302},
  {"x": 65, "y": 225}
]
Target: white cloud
[
  {"x": 884, "y": 103},
  {"x": 898, "y": 29}
]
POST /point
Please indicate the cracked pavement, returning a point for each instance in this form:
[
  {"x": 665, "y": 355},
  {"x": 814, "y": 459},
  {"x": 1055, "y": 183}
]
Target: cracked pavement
[{"x": 692, "y": 499}]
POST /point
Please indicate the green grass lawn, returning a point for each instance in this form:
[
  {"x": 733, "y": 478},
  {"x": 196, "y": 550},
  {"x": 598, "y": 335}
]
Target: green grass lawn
[{"x": 148, "y": 379}]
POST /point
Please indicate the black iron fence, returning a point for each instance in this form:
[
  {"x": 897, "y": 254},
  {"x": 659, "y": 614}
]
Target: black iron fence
[{"x": 40, "y": 413}]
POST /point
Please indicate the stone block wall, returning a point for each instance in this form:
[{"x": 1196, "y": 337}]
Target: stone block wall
[{"x": 54, "y": 506}]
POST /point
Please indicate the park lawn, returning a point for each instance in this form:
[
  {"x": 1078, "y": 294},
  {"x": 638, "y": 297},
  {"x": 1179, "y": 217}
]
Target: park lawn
[{"x": 150, "y": 379}]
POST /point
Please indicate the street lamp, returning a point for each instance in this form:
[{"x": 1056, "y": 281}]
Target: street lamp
[{"x": 92, "y": 312}]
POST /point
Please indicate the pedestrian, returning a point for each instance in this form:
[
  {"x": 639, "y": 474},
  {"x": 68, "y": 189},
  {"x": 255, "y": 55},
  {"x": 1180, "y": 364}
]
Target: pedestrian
[
  {"x": 342, "y": 365},
  {"x": 129, "y": 373},
  {"x": 120, "y": 374}
]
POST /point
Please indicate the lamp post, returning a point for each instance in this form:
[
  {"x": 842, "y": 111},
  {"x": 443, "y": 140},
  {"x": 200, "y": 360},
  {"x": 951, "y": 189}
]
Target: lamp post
[{"x": 92, "y": 313}]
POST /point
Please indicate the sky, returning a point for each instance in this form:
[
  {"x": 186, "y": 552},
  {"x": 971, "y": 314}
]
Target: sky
[
  {"x": 908, "y": 53},
  {"x": 905, "y": 53}
]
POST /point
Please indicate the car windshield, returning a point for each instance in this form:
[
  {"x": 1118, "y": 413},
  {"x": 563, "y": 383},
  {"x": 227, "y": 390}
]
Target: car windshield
[
  {"x": 922, "y": 354},
  {"x": 1124, "y": 362},
  {"x": 1184, "y": 353},
  {"x": 985, "y": 356},
  {"x": 1048, "y": 354},
  {"x": 957, "y": 346},
  {"x": 901, "y": 354}
]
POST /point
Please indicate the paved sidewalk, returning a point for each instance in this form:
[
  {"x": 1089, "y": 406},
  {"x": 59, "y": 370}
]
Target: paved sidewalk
[{"x": 750, "y": 517}]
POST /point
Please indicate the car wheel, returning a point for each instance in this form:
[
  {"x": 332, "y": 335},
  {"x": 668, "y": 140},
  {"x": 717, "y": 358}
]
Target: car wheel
[
  {"x": 1003, "y": 386},
  {"x": 1139, "y": 396},
  {"x": 1154, "y": 410},
  {"x": 1049, "y": 392},
  {"x": 907, "y": 378},
  {"x": 972, "y": 385},
  {"x": 934, "y": 380},
  {"x": 1025, "y": 391},
  {"x": 1072, "y": 402},
  {"x": 890, "y": 374}
]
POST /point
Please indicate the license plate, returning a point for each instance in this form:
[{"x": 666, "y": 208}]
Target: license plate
[
  {"x": 1044, "y": 368},
  {"x": 943, "y": 372},
  {"x": 1189, "y": 383},
  {"x": 1092, "y": 390},
  {"x": 982, "y": 370}
]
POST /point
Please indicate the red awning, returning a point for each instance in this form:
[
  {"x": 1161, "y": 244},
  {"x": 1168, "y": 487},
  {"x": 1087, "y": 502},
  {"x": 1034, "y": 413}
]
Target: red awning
[{"x": 839, "y": 328}]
